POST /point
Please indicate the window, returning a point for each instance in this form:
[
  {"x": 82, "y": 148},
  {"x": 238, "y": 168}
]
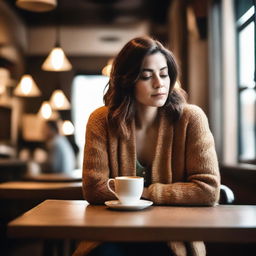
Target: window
[
  {"x": 87, "y": 95},
  {"x": 245, "y": 23}
]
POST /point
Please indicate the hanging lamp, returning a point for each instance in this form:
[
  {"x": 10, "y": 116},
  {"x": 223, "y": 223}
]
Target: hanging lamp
[
  {"x": 59, "y": 101},
  {"x": 45, "y": 110},
  {"x": 37, "y": 5},
  {"x": 107, "y": 69},
  {"x": 67, "y": 128},
  {"x": 57, "y": 60},
  {"x": 27, "y": 87}
]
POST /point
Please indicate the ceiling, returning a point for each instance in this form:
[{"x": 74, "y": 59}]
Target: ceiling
[{"x": 97, "y": 12}]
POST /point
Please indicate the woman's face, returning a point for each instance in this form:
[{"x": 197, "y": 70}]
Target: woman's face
[{"x": 153, "y": 85}]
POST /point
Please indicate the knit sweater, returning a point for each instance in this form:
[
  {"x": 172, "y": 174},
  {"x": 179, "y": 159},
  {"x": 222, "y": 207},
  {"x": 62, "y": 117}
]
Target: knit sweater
[{"x": 184, "y": 169}]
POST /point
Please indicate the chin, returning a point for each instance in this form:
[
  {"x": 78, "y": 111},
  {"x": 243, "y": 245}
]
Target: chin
[{"x": 159, "y": 104}]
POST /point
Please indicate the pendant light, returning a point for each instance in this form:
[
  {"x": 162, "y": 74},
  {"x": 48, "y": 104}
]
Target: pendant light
[
  {"x": 46, "y": 111},
  {"x": 27, "y": 87},
  {"x": 57, "y": 60},
  {"x": 107, "y": 69},
  {"x": 67, "y": 128},
  {"x": 59, "y": 101},
  {"x": 37, "y": 5}
]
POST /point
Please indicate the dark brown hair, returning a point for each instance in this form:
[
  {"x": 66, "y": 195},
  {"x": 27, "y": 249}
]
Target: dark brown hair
[{"x": 125, "y": 72}]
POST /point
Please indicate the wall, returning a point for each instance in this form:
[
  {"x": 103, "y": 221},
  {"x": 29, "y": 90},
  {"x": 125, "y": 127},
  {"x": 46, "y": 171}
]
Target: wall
[
  {"x": 13, "y": 44},
  {"x": 88, "y": 49},
  {"x": 189, "y": 42},
  {"x": 13, "y": 39},
  {"x": 197, "y": 65},
  {"x": 83, "y": 40},
  {"x": 48, "y": 81}
]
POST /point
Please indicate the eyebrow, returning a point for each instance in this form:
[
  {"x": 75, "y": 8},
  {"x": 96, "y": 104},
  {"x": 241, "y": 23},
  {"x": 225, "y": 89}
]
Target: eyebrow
[{"x": 151, "y": 70}]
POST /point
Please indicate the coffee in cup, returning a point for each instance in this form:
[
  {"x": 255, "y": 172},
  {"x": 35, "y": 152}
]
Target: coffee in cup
[{"x": 128, "y": 189}]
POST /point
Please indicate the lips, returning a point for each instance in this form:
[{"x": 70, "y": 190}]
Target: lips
[{"x": 158, "y": 94}]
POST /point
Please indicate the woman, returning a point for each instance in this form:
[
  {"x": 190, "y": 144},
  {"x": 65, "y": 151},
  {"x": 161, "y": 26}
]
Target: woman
[{"x": 147, "y": 129}]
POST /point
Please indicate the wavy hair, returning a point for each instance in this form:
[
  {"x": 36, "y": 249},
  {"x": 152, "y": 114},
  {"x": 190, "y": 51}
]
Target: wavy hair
[{"x": 124, "y": 74}]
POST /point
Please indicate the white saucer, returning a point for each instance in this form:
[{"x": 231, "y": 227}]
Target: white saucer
[{"x": 115, "y": 204}]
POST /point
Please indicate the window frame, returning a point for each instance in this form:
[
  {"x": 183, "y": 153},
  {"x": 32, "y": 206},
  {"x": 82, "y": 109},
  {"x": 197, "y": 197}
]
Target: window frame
[{"x": 241, "y": 88}]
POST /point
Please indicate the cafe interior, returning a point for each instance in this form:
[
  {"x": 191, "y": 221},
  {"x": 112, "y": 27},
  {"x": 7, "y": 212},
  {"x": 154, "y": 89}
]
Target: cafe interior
[{"x": 213, "y": 42}]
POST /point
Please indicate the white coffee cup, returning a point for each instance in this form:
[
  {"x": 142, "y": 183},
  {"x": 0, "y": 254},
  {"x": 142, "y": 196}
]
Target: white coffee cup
[{"x": 128, "y": 189}]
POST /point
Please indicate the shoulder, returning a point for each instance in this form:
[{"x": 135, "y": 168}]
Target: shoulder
[
  {"x": 191, "y": 112},
  {"x": 60, "y": 140},
  {"x": 195, "y": 119},
  {"x": 194, "y": 116},
  {"x": 98, "y": 117},
  {"x": 100, "y": 112}
]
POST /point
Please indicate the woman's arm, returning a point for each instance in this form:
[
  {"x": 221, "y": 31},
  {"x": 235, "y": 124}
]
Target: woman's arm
[
  {"x": 96, "y": 162},
  {"x": 202, "y": 182}
]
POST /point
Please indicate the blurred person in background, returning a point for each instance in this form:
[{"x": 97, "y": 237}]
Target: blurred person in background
[{"x": 61, "y": 156}]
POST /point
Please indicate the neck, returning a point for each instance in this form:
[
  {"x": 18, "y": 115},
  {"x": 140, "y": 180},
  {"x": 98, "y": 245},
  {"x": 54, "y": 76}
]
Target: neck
[{"x": 145, "y": 116}]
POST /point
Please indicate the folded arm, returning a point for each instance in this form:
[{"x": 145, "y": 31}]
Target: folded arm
[
  {"x": 202, "y": 182},
  {"x": 96, "y": 162}
]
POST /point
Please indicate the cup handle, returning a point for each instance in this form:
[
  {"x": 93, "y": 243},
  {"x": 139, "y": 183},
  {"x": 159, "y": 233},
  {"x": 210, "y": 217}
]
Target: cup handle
[{"x": 110, "y": 189}]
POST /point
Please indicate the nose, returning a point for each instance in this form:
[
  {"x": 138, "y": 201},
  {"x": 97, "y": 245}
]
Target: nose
[{"x": 158, "y": 81}]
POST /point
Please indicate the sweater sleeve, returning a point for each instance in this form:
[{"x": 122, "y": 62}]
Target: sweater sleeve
[
  {"x": 202, "y": 179},
  {"x": 96, "y": 162}
]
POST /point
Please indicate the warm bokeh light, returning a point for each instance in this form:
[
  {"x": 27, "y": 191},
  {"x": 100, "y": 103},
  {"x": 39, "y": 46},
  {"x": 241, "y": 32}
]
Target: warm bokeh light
[
  {"x": 59, "y": 101},
  {"x": 27, "y": 87},
  {"x": 2, "y": 89},
  {"x": 107, "y": 69},
  {"x": 45, "y": 110},
  {"x": 67, "y": 128},
  {"x": 37, "y": 5},
  {"x": 56, "y": 61},
  {"x": 177, "y": 84}
]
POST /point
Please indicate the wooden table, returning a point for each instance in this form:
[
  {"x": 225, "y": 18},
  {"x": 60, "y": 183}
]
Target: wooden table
[
  {"x": 12, "y": 169},
  {"x": 40, "y": 190},
  {"x": 19, "y": 197},
  {"x": 74, "y": 176},
  {"x": 55, "y": 219}
]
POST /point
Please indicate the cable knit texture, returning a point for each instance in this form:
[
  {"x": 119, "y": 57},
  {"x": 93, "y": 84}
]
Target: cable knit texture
[{"x": 184, "y": 169}]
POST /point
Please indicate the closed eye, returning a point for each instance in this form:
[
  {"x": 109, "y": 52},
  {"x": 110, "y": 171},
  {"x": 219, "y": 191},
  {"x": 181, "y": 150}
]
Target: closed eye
[{"x": 145, "y": 77}]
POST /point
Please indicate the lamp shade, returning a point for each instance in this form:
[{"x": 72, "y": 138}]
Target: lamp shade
[
  {"x": 59, "y": 101},
  {"x": 45, "y": 110},
  {"x": 27, "y": 87},
  {"x": 67, "y": 128},
  {"x": 56, "y": 61},
  {"x": 37, "y": 5},
  {"x": 107, "y": 69}
]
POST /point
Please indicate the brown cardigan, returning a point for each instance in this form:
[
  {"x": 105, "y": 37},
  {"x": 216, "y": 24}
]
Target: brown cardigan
[{"x": 184, "y": 169}]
